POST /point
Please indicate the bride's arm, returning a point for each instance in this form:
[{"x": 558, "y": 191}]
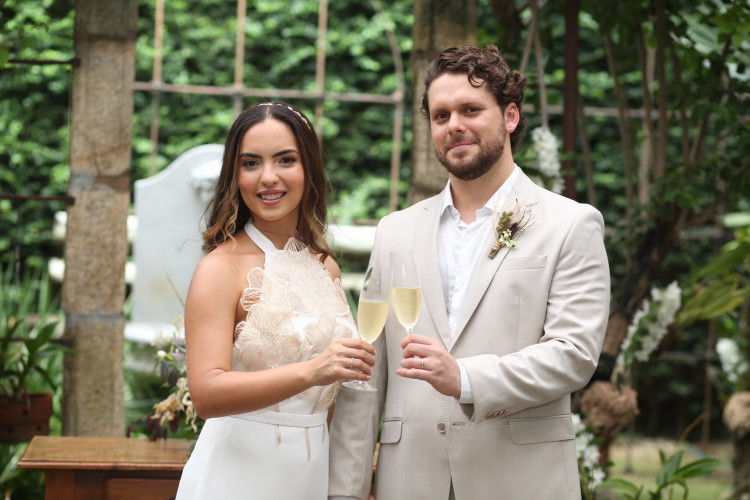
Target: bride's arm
[{"x": 209, "y": 328}]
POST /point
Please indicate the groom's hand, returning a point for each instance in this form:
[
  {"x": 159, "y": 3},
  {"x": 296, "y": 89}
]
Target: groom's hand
[{"x": 426, "y": 359}]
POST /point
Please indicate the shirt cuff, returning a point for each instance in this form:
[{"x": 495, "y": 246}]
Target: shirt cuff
[{"x": 466, "y": 397}]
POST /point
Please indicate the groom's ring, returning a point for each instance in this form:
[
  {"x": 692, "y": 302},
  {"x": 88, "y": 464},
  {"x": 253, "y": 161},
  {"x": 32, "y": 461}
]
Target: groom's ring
[
  {"x": 351, "y": 363},
  {"x": 421, "y": 360}
]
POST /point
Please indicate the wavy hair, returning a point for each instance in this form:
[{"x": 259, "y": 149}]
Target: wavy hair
[
  {"x": 481, "y": 66},
  {"x": 228, "y": 212}
]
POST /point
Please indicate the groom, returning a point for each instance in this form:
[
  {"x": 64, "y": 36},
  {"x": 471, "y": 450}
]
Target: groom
[{"x": 477, "y": 401}]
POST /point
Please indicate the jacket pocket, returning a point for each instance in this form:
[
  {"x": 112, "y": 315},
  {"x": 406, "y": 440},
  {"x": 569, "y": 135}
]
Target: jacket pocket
[
  {"x": 390, "y": 432},
  {"x": 528, "y": 262},
  {"x": 542, "y": 429}
]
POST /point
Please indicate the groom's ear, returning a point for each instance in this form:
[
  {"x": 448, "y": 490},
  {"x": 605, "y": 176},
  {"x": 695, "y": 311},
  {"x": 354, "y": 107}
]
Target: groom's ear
[{"x": 512, "y": 116}]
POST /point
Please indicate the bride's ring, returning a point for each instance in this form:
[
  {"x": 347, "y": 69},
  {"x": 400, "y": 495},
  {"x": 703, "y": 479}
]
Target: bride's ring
[
  {"x": 422, "y": 361},
  {"x": 351, "y": 363}
]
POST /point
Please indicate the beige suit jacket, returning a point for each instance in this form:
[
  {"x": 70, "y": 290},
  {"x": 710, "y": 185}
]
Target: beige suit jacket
[{"x": 530, "y": 333}]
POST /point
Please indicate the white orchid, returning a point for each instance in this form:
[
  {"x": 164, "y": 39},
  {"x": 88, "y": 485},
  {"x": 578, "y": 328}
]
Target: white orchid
[{"x": 548, "y": 161}]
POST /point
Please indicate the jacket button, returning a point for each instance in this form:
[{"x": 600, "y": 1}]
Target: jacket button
[{"x": 441, "y": 428}]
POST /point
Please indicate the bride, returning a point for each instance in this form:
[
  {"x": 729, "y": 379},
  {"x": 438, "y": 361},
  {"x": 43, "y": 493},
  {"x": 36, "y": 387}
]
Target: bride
[{"x": 268, "y": 328}]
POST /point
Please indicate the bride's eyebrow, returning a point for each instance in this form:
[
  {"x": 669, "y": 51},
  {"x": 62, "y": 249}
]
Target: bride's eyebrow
[
  {"x": 285, "y": 152},
  {"x": 280, "y": 153}
]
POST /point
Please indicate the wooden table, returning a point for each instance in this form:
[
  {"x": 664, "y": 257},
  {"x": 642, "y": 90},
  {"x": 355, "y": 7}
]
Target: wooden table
[{"x": 107, "y": 468}]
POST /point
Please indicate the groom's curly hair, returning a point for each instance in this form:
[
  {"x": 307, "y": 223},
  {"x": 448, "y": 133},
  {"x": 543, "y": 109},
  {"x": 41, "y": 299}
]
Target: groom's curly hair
[{"x": 481, "y": 66}]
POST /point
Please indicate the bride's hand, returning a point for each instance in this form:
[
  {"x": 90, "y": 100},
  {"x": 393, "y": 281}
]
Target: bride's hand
[{"x": 343, "y": 359}]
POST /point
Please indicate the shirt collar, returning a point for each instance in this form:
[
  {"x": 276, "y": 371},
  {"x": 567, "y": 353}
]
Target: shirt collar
[{"x": 502, "y": 193}]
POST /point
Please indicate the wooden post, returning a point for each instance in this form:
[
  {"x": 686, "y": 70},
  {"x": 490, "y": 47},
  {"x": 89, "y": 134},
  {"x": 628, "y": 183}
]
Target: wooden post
[{"x": 96, "y": 246}]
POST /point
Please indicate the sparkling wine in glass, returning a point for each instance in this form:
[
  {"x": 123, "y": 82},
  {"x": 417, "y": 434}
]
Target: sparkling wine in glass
[
  {"x": 406, "y": 292},
  {"x": 372, "y": 312}
]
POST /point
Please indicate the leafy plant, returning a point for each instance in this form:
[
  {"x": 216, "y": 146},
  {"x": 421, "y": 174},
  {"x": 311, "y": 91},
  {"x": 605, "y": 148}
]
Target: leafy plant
[
  {"x": 724, "y": 282},
  {"x": 26, "y": 333},
  {"x": 670, "y": 475},
  {"x": 19, "y": 483}
]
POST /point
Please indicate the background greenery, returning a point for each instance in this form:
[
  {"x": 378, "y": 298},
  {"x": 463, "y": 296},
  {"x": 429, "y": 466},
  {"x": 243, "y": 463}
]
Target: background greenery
[{"x": 707, "y": 49}]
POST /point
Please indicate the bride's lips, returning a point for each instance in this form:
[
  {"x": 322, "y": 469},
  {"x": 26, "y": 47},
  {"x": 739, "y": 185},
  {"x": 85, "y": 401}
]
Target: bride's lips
[{"x": 271, "y": 197}]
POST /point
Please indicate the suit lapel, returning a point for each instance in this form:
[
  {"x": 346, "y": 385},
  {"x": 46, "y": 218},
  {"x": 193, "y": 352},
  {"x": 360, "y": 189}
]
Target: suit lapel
[
  {"x": 426, "y": 248},
  {"x": 486, "y": 269}
]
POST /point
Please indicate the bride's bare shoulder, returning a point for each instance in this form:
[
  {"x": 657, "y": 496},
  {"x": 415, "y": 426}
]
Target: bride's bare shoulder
[{"x": 238, "y": 255}]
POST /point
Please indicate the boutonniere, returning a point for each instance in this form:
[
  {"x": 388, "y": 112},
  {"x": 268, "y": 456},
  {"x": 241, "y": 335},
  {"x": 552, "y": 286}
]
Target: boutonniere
[{"x": 510, "y": 223}]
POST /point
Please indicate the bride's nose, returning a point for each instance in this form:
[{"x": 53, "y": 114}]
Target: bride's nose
[{"x": 268, "y": 175}]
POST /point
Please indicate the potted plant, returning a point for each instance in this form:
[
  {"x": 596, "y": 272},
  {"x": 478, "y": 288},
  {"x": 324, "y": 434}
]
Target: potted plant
[{"x": 26, "y": 347}]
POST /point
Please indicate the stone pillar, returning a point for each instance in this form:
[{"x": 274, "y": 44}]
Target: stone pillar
[
  {"x": 438, "y": 25},
  {"x": 96, "y": 246}
]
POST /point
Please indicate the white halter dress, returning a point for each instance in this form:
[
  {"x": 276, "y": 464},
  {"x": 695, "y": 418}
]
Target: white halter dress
[{"x": 294, "y": 310}]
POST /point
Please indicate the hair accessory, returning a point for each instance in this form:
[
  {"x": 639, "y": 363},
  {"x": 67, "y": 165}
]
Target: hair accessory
[{"x": 302, "y": 117}]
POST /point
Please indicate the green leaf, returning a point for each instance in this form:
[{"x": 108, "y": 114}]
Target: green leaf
[
  {"x": 664, "y": 476},
  {"x": 701, "y": 467},
  {"x": 719, "y": 297},
  {"x": 725, "y": 262},
  {"x": 628, "y": 490}
]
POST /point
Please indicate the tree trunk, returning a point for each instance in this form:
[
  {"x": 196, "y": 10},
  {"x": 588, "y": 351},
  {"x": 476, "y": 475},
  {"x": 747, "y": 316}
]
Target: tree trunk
[
  {"x": 438, "y": 25},
  {"x": 96, "y": 246}
]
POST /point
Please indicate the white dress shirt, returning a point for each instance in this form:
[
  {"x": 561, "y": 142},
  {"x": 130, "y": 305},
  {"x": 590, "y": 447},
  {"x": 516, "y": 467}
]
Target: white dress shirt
[{"x": 460, "y": 246}]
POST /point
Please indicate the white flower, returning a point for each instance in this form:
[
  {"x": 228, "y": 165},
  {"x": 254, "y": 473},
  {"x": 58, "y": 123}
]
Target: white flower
[
  {"x": 587, "y": 453},
  {"x": 161, "y": 353},
  {"x": 590, "y": 457},
  {"x": 162, "y": 338},
  {"x": 597, "y": 477},
  {"x": 649, "y": 326},
  {"x": 732, "y": 362},
  {"x": 548, "y": 161}
]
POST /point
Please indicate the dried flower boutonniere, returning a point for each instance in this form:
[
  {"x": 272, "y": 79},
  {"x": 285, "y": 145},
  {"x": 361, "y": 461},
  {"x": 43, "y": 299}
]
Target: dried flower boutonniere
[{"x": 511, "y": 222}]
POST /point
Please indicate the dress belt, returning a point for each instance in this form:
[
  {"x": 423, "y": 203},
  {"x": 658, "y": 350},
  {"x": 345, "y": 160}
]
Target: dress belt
[{"x": 285, "y": 419}]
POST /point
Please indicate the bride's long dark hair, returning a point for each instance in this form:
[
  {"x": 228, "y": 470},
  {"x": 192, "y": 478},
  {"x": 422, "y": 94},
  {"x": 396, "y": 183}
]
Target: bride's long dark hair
[{"x": 229, "y": 214}]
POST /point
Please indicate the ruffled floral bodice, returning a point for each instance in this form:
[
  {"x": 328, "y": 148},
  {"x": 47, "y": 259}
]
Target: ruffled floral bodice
[{"x": 294, "y": 311}]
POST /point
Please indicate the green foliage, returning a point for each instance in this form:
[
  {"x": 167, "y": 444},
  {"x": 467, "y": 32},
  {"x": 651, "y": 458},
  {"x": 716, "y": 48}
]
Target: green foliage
[
  {"x": 19, "y": 483},
  {"x": 34, "y": 105},
  {"x": 26, "y": 331},
  {"x": 721, "y": 285},
  {"x": 368, "y": 200},
  {"x": 280, "y": 52},
  {"x": 706, "y": 50},
  {"x": 669, "y": 476}
]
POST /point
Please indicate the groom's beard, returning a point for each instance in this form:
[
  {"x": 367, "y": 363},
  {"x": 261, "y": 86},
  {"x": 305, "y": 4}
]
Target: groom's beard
[{"x": 470, "y": 169}]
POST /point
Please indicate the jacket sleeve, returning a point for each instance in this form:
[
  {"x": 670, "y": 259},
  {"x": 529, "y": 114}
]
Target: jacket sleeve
[
  {"x": 575, "y": 320},
  {"x": 355, "y": 425}
]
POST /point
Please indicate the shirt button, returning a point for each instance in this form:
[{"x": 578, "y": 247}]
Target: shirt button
[{"x": 441, "y": 428}]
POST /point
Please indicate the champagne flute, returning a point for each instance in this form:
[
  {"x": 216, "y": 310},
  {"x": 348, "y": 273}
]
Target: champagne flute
[
  {"x": 406, "y": 291},
  {"x": 372, "y": 312}
]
